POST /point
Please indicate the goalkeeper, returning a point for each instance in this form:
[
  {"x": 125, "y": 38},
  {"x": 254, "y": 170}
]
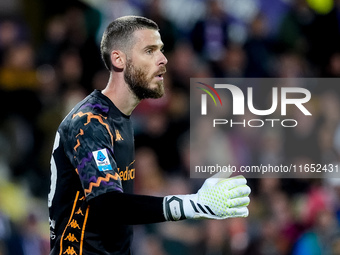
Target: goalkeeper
[{"x": 91, "y": 203}]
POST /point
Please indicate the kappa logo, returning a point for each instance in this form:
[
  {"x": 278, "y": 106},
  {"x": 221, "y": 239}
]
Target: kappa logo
[
  {"x": 74, "y": 224},
  {"x": 70, "y": 251},
  {"x": 118, "y": 136},
  {"x": 80, "y": 212},
  {"x": 71, "y": 238}
]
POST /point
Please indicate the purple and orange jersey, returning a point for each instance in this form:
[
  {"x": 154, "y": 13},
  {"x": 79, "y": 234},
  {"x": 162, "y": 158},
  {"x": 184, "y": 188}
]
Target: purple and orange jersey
[{"x": 93, "y": 153}]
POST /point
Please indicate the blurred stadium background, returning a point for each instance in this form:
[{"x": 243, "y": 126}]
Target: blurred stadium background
[{"x": 49, "y": 60}]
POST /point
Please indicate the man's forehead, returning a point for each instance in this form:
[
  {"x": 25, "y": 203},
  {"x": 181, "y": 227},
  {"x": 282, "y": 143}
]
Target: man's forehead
[{"x": 145, "y": 37}]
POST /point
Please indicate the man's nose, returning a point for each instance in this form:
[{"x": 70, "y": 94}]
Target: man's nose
[{"x": 163, "y": 60}]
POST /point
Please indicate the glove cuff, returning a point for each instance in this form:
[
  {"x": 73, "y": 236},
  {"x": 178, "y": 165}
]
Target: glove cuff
[{"x": 178, "y": 207}]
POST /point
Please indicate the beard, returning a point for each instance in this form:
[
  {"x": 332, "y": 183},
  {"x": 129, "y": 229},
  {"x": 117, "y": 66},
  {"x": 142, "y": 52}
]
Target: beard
[{"x": 138, "y": 82}]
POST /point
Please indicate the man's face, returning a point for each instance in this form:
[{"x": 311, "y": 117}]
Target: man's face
[{"x": 146, "y": 65}]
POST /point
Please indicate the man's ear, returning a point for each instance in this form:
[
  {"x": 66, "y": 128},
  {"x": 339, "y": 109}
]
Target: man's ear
[{"x": 118, "y": 59}]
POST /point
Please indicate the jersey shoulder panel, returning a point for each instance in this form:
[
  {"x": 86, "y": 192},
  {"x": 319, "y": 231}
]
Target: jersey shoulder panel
[{"x": 88, "y": 143}]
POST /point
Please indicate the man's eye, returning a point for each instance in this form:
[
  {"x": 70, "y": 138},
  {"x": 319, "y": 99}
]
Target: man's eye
[{"x": 149, "y": 51}]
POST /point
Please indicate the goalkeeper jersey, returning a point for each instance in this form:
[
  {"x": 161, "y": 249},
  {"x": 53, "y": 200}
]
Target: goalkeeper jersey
[{"x": 93, "y": 153}]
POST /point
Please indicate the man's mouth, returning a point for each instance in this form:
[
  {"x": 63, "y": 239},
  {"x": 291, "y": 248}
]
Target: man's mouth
[{"x": 160, "y": 73}]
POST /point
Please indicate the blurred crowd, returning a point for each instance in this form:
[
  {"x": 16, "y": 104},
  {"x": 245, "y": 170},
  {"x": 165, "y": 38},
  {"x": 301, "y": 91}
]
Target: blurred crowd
[{"x": 49, "y": 60}]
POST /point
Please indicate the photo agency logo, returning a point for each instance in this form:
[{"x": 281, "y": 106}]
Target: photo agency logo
[
  {"x": 262, "y": 127},
  {"x": 281, "y": 98},
  {"x": 204, "y": 97}
]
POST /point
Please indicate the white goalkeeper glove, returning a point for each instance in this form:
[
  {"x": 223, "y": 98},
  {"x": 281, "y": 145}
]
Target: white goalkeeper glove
[{"x": 218, "y": 198}]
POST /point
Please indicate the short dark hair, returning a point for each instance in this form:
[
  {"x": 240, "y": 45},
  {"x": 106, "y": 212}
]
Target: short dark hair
[{"x": 118, "y": 35}]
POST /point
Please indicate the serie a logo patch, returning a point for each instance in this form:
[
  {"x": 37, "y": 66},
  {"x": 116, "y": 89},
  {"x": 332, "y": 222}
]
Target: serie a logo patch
[{"x": 102, "y": 160}]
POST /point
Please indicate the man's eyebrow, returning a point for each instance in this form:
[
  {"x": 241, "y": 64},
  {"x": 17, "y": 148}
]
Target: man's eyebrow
[{"x": 154, "y": 46}]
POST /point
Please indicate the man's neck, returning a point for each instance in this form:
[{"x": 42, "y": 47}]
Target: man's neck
[{"x": 119, "y": 93}]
